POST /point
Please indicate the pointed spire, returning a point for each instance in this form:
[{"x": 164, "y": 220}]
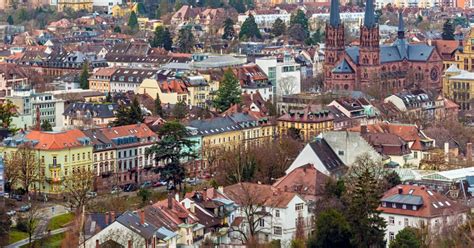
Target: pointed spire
[
  {"x": 369, "y": 18},
  {"x": 334, "y": 17},
  {"x": 401, "y": 26}
]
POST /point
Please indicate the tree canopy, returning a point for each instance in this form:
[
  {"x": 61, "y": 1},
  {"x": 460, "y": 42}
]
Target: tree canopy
[
  {"x": 406, "y": 238},
  {"x": 229, "y": 32},
  {"x": 84, "y": 77},
  {"x": 7, "y": 112},
  {"x": 448, "y": 30},
  {"x": 278, "y": 27},
  {"x": 249, "y": 29},
  {"x": 133, "y": 22},
  {"x": 127, "y": 115},
  {"x": 332, "y": 230},
  {"x": 162, "y": 38},
  {"x": 229, "y": 91},
  {"x": 46, "y": 126},
  {"x": 186, "y": 40}
]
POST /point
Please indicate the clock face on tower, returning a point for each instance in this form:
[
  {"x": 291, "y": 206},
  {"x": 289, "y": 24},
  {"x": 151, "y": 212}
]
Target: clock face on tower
[{"x": 434, "y": 74}]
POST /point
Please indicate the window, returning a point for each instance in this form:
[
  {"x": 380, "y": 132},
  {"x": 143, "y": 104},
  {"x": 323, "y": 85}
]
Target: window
[
  {"x": 299, "y": 206},
  {"x": 391, "y": 236},
  {"x": 406, "y": 221},
  {"x": 384, "y": 204},
  {"x": 414, "y": 207},
  {"x": 277, "y": 213},
  {"x": 340, "y": 153},
  {"x": 394, "y": 205},
  {"x": 262, "y": 222},
  {"x": 415, "y": 154},
  {"x": 391, "y": 220},
  {"x": 277, "y": 230},
  {"x": 404, "y": 206},
  {"x": 65, "y": 158}
]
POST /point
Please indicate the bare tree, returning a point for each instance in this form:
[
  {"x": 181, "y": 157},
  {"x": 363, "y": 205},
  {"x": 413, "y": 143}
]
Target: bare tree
[
  {"x": 30, "y": 221},
  {"x": 255, "y": 207},
  {"x": 76, "y": 186},
  {"x": 22, "y": 167},
  {"x": 286, "y": 85}
]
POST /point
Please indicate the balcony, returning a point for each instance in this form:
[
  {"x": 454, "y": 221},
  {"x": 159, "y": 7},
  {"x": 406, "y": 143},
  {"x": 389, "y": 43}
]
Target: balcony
[
  {"x": 54, "y": 179},
  {"x": 54, "y": 166}
]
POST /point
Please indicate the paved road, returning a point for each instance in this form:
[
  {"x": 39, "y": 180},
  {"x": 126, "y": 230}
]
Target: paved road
[{"x": 26, "y": 241}]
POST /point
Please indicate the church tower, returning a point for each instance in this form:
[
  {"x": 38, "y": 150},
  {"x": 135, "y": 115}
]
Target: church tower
[
  {"x": 334, "y": 50},
  {"x": 369, "y": 55}
]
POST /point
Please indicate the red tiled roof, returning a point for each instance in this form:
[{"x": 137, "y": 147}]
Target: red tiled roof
[
  {"x": 56, "y": 140},
  {"x": 138, "y": 130},
  {"x": 434, "y": 203},
  {"x": 252, "y": 193},
  {"x": 173, "y": 85}
]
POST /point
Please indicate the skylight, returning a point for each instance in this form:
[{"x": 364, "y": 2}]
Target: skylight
[
  {"x": 447, "y": 203},
  {"x": 434, "y": 205},
  {"x": 429, "y": 192}
]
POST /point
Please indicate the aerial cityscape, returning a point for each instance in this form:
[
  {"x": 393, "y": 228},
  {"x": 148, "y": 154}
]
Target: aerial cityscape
[{"x": 237, "y": 123}]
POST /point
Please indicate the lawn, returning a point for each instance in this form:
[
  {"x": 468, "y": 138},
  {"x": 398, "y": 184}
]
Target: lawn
[
  {"x": 51, "y": 242},
  {"x": 16, "y": 235},
  {"x": 60, "y": 220}
]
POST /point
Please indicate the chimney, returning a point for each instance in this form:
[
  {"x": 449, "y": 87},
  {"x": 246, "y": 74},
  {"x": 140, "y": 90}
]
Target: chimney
[
  {"x": 106, "y": 218},
  {"x": 286, "y": 188},
  {"x": 112, "y": 216},
  {"x": 142, "y": 217},
  {"x": 170, "y": 200},
  {"x": 363, "y": 129},
  {"x": 192, "y": 208},
  {"x": 400, "y": 190},
  {"x": 221, "y": 189},
  {"x": 97, "y": 245},
  {"x": 469, "y": 151},
  {"x": 130, "y": 244}
]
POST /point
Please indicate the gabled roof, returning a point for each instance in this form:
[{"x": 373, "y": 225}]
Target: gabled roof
[
  {"x": 258, "y": 194},
  {"x": 138, "y": 130},
  {"x": 343, "y": 67},
  {"x": 96, "y": 110},
  {"x": 132, "y": 221},
  {"x": 433, "y": 204},
  {"x": 327, "y": 156},
  {"x": 57, "y": 140}
]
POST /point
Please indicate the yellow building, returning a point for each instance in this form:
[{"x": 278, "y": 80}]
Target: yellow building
[
  {"x": 100, "y": 80},
  {"x": 75, "y": 5},
  {"x": 309, "y": 122},
  {"x": 146, "y": 24},
  {"x": 458, "y": 85},
  {"x": 464, "y": 59},
  {"x": 60, "y": 154},
  {"x": 124, "y": 10}
]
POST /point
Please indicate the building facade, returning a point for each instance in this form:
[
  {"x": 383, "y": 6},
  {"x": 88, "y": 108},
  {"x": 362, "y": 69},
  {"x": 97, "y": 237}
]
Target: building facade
[{"x": 392, "y": 68}]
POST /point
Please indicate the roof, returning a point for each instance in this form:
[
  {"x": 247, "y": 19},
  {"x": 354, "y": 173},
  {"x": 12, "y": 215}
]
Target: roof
[
  {"x": 311, "y": 114},
  {"x": 397, "y": 51},
  {"x": 57, "y": 140},
  {"x": 258, "y": 194},
  {"x": 334, "y": 17},
  {"x": 433, "y": 203},
  {"x": 327, "y": 156},
  {"x": 132, "y": 221},
  {"x": 138, "y": 130},
  {"x": 343, "y": 67},
  {"x": 95, "y": 110},
  {"x": 305, "y": 180}
]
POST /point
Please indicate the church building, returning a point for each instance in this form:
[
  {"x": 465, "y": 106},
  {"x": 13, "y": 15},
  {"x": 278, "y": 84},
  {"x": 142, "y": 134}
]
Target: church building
[{"x": 392, "y": 68}]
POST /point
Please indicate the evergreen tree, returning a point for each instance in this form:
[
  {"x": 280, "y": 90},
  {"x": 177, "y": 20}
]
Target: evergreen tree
[
  {"x": 332, "y": 230},
  {"x": 117, "y": 29},
  {"x": 186, "y": 40},
  {"x": 249, "y": 29},
  {"x": 228, "y": 92},
  {"x": 133, "y": 22},
  {"x": 180, "y": 110},
  {"x": 368, "y": 228},
  {"x": 172, "y": 148},
  {"x": 127, "y": 115},
  {"x": 10, "y": 20},
  {"x": 406, "y": 238},
  {"x": 448, "y": 30},
  {"x": 46, "y": 126},
  {"x": 158, "y": 107},
  {"x": 278, "y": 27},
  {"x": 141, "y": 9},
  {"x": 108, "y": 98},
  {"x": 162, "y": 38},
  {"x": 300, "y": 18},
  {"x": 297, "y": 32},
  {"x": 229, "y": 32},
  {"x": 84, "y": 77},
  {"x": 178, "y": 4},
  {"x": 392, "y": 179},
  {"x": 213, "y": 3},
  {"x": 317, "y": 37}
]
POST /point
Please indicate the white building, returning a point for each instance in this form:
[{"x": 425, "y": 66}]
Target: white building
[
  {"x": 416, "y": 206},
  {"x": 266, "y": 20},
  {"x": 284, "y": 212},
  {"x": 410, "y": 3},
  {"x": 107, "y": 4},
  {"x": 28, "y": 102},
  {"x": 284, "y": 75}
]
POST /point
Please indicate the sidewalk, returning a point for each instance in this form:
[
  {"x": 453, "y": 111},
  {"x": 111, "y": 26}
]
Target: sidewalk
[{"x": 25, "y": 241}]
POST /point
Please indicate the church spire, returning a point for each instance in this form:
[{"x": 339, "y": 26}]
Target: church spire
[
  {"x": 334, "y": 17},
  {"x": 401, "y": 26},
  {"x": 369, "y": 18}
]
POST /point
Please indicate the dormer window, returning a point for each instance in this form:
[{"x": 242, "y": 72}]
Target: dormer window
[
  {"x": 394, "y": 205},
  {"x": 384, "y": 204},
  {"x": 414, "y": 207},
  {"x": 404, "y": 206}
]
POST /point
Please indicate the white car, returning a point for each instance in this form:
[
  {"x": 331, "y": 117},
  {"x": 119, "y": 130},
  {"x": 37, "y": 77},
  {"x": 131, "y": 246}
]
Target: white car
[
  {"x": 11, "y": 213},
  {"x": 91, "y": 194}
]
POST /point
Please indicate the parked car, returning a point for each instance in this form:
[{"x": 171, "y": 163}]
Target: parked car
[
  {"x": 157, "y": 184},
  {"x": 145, "y": 185},
  {"x": 194, "y": 181},
  {"x": 115, "y": 190},
  {"x": 11, "y": 213},
  {"x": 6, "y": 195},
  {"x": 130, "y": 187},
  {"x": 91, "y": 194},
  {"x": 17, "y": 197},
  {"x": 25, "y": 208}
]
